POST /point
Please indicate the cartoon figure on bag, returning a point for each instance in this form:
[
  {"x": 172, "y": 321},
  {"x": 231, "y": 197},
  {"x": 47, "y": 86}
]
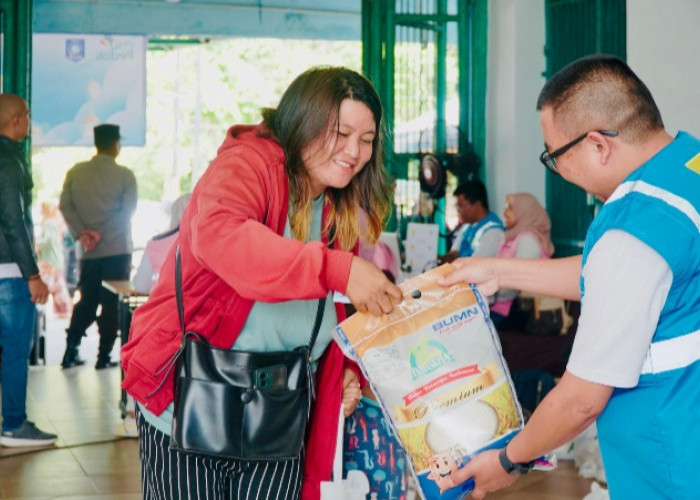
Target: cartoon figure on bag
[
  {"x": 446, "y": 470},
  {"x": 441, "y": 467},
  {"x": 370, "y": 446},
  {"x": 375, "y": 438}
]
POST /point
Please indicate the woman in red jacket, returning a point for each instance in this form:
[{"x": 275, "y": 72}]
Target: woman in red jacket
[{"x": 256, "y": 257}]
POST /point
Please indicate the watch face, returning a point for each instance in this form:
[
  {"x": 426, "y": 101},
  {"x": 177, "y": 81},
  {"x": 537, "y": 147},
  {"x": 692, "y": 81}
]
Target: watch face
[{"x": 521, "y": 469}]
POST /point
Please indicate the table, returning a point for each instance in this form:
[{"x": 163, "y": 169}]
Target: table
[{"x": 129, "y": 299}]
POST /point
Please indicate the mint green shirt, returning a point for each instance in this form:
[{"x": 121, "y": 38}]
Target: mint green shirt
[{"x": 278, "y": 326}]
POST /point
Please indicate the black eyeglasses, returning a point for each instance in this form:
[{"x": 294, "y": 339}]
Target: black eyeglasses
[{"x": 549, "y": 159}]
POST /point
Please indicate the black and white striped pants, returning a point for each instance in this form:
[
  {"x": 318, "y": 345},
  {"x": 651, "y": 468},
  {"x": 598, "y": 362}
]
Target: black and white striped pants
[{"x": 168, "y": 475}]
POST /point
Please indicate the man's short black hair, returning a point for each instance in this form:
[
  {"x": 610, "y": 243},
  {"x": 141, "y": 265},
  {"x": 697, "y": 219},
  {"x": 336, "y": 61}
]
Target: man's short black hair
[
  {"x": 601, "y": 91},
  {"x": 106, "y": 135},
  {"x": 473, "y": 191}
]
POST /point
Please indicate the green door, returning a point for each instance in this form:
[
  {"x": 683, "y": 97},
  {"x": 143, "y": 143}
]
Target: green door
[
  {"x": 427, "y": 60},
  {"x": 576, "y": 28}
]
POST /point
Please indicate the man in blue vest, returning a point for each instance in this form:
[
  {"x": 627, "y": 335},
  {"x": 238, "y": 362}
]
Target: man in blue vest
[
  {"x": 635, "y": 363},
  {"x": 483, "y": 229}
]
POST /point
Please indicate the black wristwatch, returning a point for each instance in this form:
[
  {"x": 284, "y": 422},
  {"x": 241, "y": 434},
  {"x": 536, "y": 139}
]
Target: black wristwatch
[{"x": 516, "y": 469}]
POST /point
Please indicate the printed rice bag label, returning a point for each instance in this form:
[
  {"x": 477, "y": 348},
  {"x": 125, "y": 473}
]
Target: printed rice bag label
[{"x": 436, "y": 366}]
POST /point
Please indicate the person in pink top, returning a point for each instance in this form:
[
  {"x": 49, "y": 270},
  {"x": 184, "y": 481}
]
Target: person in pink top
[
  {"x": 383, "y": 257},
  {"x": 527, "y": 236}
]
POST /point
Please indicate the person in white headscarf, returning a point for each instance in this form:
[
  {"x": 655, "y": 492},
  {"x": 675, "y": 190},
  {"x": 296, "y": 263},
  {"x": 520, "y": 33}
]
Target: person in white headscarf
[{"x": 527, "y": 236}]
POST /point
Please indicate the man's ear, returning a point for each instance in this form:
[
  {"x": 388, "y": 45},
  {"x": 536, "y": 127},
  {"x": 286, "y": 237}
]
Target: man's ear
[{"x": 602, "y": 144}]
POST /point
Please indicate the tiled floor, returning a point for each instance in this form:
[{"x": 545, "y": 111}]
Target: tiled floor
[{"x": 81, "y": 406}]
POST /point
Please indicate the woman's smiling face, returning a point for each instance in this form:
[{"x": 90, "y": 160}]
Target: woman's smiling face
[{"x": 333, "y": 159}]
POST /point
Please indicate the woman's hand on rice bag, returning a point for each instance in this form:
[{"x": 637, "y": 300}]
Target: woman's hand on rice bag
[
  {"x": 487, "y": 472},
  {"x": 482, "y": 271},
  {"x": 370, "y": 290},
  {"x": 352, "y": 393}
]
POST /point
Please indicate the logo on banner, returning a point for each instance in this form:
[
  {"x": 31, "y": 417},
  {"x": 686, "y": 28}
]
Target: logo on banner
[{"x": 75, "y": 49}]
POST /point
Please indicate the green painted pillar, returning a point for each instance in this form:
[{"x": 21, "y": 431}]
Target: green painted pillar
[
  {"x": 472, "y": 58},
  {"x": 16, "y": 54},
  {"x": 16, "y": 46}
]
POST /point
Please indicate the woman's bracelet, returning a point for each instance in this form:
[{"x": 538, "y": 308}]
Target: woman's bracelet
[{"x": 35, "y": 277}]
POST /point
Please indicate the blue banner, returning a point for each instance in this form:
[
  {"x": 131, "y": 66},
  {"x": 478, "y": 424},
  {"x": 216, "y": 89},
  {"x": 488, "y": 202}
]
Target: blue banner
[{"x": 80, "y": 81}]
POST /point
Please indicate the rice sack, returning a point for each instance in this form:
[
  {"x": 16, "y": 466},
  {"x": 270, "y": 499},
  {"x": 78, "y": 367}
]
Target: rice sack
[{"x": 436, "y": 367}]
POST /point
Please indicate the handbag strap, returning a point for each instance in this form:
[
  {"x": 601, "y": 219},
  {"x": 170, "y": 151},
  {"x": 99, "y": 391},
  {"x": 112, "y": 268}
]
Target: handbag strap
[
  {"x": 317, "y": 322},
  {"x": 178, "y": 290},
  {"x": 181, "y": 308}
]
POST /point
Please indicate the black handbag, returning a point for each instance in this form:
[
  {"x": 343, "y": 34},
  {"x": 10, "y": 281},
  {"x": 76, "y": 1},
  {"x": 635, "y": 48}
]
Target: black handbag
[{"x": 239, "y": 404}]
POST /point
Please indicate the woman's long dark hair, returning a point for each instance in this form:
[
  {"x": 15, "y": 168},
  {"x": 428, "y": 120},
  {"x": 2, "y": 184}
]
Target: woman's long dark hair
[{"x": 308, "y": 110}]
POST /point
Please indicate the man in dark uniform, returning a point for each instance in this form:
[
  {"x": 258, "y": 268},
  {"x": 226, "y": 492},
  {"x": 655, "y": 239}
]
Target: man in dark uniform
[{"x": 98, "y": 200}]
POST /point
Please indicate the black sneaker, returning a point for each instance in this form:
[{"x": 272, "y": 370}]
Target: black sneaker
[
  {"x": 27, "y": 435},
  {"x": 105, "y": 363},
  {"x": 71, "y": 359},
  {"x": 73, "y": 362}
]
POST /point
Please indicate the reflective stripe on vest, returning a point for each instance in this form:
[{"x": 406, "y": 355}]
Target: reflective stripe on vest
[
  {"x": 680, "y": 204},
  {"x": 672, "y": 354}
]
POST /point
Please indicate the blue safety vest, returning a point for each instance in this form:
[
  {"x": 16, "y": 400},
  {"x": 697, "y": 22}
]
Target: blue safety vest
[
  {"x": 473, "y": 233},
  {"x": 650, "y": 434}
]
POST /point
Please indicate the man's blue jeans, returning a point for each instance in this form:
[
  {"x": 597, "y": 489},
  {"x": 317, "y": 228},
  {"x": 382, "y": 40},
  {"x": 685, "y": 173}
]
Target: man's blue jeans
[{"x": 16, "y": 332}]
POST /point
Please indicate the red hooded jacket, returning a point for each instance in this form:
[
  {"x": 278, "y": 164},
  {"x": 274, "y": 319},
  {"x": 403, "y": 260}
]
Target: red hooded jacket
[{"x": 233, "y": 254}]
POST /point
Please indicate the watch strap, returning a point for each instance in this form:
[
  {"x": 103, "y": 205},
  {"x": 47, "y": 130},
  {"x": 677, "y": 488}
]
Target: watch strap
[{"x": 515, "y": 468}]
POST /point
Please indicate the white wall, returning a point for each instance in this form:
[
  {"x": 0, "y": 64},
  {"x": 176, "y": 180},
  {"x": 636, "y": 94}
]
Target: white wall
[
  {"x": 663, "y": 48},
  {"x": 515, "y": 65}
]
